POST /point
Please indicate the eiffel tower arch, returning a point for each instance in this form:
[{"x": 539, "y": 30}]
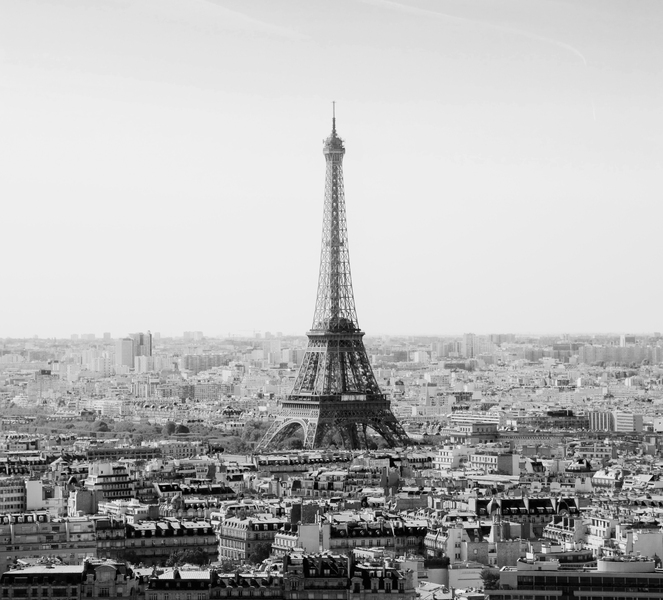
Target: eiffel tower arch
[{"x": 335, "y": 389}]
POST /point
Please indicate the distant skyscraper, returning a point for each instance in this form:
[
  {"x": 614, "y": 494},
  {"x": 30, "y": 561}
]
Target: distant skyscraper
[
  {"x": 193, "y": 335},
  {"x": 469, "y": 345},
  {"x": 142, "y": 344},
  {"x": 124, "y": 353},
  {"x": 626, "y": 340},
  {"x": 107, "y": 336}
]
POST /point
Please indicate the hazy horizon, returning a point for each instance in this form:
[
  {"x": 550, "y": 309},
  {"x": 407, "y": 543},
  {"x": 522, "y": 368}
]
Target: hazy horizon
[
  {"x": 163, "y": 167},
  {"x": 369, "y": 335}
]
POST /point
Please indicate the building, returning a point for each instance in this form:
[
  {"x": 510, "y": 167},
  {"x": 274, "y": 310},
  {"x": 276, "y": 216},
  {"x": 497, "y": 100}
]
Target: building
[
  {"x": 142, "y": 344},
  {"x": 111, "y": 480},
  {"x": 37, "y": 534},
  {"x": 152, "y": 542},
  {"x": 628, "y": 578},
  {"x": 451, "y": 457},
  {"x": 106, "y": 453},
  {"x": 310, "y": 576},
  {"x": 91, "y": 579},
  {"x": 13, "y": 495},
  {"x": 394, "y": 536},
  {"x": 239, "y": 537},
  {"x": 469, "y": 345},
  {"x": 627, "y": 422},
  {"x": 124, "y": 353},
  {"x": 601, "y": 421},
  {"x": 111, "y": 537},
  {"x": 495, "y": 462},
  {"x": 302, "y": 537}
]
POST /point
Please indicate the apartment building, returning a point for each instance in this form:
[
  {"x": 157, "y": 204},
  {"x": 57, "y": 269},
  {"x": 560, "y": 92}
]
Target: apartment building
[
  {"x": 111, "y": 480},
  {"x": 13, "y": 495},
  {"x": 37, "y": 535},
  {"x": 91, "y": 579},
  {"x": 239, "y": 537},
  {"x": 152, "y": 542}
]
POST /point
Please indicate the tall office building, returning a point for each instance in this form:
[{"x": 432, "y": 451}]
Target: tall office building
[
  {"x": 142, "y": 343},
  {"x": 469, "y": 345},
  {"x": 124, "y": 353}
]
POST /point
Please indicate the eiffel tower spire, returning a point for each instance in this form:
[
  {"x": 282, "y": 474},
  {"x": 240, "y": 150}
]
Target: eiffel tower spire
[
  {"x": 335, "y": 304},
  {"x": 335, "y": 389}
]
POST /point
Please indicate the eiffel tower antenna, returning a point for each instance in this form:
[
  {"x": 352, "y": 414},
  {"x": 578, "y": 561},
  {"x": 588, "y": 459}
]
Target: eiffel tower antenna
[
  {"x": 333, "y": 118},
  {"x": 335, "y": 389}
]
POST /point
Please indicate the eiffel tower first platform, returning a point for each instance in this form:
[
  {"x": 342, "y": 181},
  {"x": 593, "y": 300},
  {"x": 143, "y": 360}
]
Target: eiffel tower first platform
[{"x": 335, "y": 389}]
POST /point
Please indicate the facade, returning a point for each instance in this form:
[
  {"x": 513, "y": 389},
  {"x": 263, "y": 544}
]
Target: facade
[
  {"x": 13, "y": 495},
  {"x": 124, "y": 353},
  {"x": 92, "y": 579},
  {"x": 303, "y": 576},
  {"x": 471, "y": 434},
  {"x": 111, "y": 537},
  {"x": 394, "y": 536},
  {"x": 302, "y": 537},
  {"x": 239, "y": 538},
  {"x": 152, "y": 542},
  {"x": 36, "y": 534},
  {"x": 495, "y": 462},
  {"x": 112, "y": 481},
  {"x": 451, "y": 457},
  {"x": 106, "y": 453},
  {"x": 632, "y": 579},
  {"x": 531, "y": 514},
  {"x": 142, "y": 344}
]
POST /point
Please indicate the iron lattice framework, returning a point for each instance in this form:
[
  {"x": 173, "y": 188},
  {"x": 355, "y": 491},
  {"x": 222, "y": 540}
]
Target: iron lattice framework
[{"x": 335, "y": 389}]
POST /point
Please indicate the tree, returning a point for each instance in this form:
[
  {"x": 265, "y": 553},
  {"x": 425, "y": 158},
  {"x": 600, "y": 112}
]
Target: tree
[
  {"x": 227, "y": 566},
  {"x": 490, "y": 578},
  {"x": 194, "y": 557},
  {"x": 102, "y": 426},
  {"x": 294, "y": 443},
  {"x": 181, "y": 429},
  {"x": 129, "y": 556},
  {"x": 169, "y": 428},
  {"x": 261, "y": 552}
]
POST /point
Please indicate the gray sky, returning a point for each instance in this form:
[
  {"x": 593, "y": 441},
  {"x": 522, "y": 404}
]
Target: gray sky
[{"x": 162, "y": 163}]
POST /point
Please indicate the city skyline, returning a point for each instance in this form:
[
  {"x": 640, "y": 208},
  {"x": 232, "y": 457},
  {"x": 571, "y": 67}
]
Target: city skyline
[{"x": 504, "y": 171}]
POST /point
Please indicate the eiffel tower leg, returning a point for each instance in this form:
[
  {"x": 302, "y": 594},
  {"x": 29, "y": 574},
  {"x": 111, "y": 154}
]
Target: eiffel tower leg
[
  {"x": 312, "y": 433},
  {"x": 364, "y": 427},
  {"x": 319, "y": 434},
  {"x": 385, "y": 434},
  {"x": 396, "y": 429},
  {"x": 284, "y": 427},
  {"x": 266, "y": 440},
  {"x": 353, "y": 436},
  {"x": 344, "y": 432}
]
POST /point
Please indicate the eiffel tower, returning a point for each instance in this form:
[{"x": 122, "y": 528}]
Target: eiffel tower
[{"x": 335, "y": 389}]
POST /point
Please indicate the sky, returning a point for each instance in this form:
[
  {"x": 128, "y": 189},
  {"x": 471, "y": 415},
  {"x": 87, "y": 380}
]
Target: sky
[{"x": 162, "y": 164}]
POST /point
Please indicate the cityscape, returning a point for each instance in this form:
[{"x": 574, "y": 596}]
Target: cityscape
[{"x": 337, "y": 463}]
